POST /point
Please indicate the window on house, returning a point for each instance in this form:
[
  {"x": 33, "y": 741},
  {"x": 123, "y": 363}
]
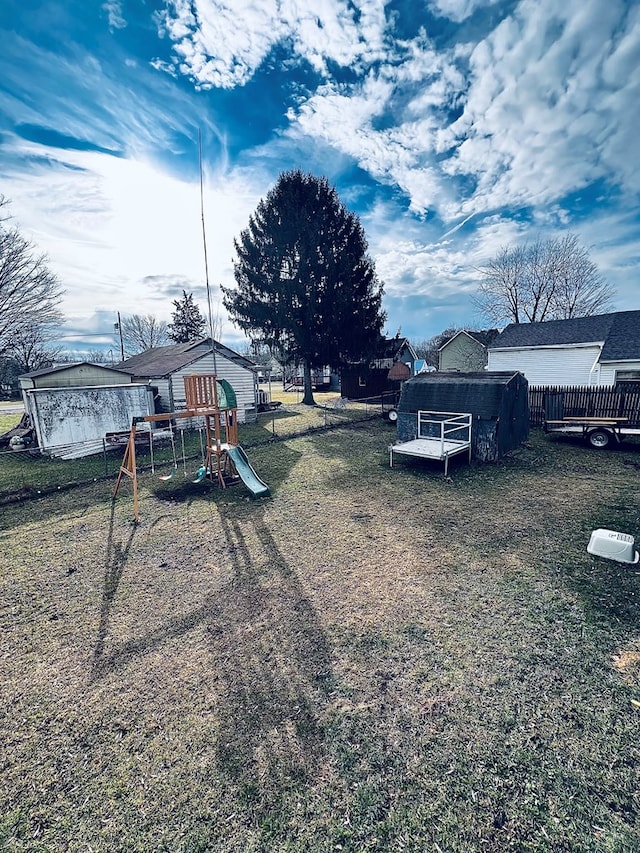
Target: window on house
[{"x": 627, "y": 375}]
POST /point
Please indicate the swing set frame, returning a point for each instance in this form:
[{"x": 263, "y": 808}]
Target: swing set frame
[{"x": 220, "y": 427}]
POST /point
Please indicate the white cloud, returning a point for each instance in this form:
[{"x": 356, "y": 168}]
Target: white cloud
[
  {"x": 123, "y": 235},
  {"x": 537, "y": 124},
  {"x": 222, "y": 43},
  {"x": 458, "y": 10},
  {"x": 113, "y": 8}
]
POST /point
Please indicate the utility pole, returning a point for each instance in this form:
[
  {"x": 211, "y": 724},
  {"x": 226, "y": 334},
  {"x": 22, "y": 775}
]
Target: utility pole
[{"x": 118, "y": 328}]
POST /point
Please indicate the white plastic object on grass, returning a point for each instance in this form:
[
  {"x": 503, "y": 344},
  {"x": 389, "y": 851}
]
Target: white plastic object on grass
[{"x": 613, "y": 546}]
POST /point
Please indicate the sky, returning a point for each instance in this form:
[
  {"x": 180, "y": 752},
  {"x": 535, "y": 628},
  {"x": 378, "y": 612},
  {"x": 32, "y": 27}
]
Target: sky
[{"x": 452, "y": 128}]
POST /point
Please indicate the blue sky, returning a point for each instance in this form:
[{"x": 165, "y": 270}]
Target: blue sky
[{"x": 451, "y": 127}]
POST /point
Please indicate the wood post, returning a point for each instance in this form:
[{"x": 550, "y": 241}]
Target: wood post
[{"x": 128, "y": 468}]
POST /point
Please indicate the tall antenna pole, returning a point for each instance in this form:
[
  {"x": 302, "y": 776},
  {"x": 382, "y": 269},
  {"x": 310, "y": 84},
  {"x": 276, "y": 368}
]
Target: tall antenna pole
[{"x": 206, "y": 263}]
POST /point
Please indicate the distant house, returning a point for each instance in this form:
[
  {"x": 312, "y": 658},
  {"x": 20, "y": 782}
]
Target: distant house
[
  {"x": 165, "y": 368},
  {"x": 599, "y": 350},
  {"x": 272, "y": 369},
  {"x": 466, "y": 351},
  {"x": 370, "y": 379}
]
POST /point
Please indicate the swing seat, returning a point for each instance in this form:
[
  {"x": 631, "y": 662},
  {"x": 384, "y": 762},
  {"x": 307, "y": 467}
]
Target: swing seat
[
  {"x": 201, "y": 474},
  {"x": 165, "y": 477}
]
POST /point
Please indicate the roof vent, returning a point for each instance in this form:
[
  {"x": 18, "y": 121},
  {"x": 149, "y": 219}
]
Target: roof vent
[{"x": 613, "y": 546}]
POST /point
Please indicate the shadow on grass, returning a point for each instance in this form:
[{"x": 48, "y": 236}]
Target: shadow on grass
[
  {"x": 275, "y": 663},
  {"x": 272, "y": 466},
  {"x": 271, "y": 659},
  {"x": 117, "y": 554}
]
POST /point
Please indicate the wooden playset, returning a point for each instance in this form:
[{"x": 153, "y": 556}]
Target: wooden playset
[{"x": 214, "y": 401}]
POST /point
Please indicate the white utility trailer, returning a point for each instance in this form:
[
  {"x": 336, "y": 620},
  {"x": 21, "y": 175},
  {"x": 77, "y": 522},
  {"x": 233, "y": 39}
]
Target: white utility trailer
[{"x": 599, "y": 432}]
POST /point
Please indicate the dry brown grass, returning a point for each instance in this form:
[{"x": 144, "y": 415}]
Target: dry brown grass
[{"x": 372, "y": 660}]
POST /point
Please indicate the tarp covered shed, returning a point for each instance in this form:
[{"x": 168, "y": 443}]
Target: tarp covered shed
[{"x": 499, "y": 403}]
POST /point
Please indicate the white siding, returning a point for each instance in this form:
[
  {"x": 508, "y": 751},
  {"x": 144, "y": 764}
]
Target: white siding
[
  {"x": 551, "y": 365},
  {"x": 609, "y": 369},
  {"x": 240, "y": 379}
]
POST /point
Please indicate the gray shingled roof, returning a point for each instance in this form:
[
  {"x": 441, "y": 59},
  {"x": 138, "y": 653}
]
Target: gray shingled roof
[
  {"x": 391, "y": 347},
  {"x": 483, "y": 336},
  {"x": 620, "y": 332},
  {"x": 163, "y": 361}
]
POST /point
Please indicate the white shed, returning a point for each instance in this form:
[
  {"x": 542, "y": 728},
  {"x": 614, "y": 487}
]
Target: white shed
[
  {"x": 72, "y": 422},
  {"x": 165, "y": 368}
]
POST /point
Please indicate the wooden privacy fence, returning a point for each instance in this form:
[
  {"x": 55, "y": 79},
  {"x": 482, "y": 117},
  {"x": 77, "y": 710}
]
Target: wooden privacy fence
[{"x": 615, "y": 401}]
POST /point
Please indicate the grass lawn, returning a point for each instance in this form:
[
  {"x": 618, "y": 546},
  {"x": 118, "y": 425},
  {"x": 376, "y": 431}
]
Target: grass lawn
[
  {"x": 24, "y": 472},
  {"x": 373, "y": 659},
  {"x": 8, "y": 420}
]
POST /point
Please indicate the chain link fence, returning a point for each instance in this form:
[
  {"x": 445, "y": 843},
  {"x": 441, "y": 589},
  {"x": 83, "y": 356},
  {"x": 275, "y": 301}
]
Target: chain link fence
[{"x": 27, "y": 473}]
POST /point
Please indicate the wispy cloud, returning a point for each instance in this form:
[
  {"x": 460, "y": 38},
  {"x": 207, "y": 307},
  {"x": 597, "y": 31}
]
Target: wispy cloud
[{"x": 113, "y": 8}]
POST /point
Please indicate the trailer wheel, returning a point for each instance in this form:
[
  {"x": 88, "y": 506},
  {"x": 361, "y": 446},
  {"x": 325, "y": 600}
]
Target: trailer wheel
[
  {"x": 392, "y": 416},
  {"x": 599, "y": 438}
]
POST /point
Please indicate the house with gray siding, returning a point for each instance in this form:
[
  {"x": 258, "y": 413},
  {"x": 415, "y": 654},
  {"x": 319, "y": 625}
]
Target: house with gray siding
[
  {"x": 165, "y": 368},
  {"x": 602, "y": 350}
]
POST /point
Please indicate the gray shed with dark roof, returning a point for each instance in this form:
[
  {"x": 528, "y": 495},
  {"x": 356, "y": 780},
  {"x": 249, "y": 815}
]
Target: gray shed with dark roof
[{"x": 499, "y": 403}]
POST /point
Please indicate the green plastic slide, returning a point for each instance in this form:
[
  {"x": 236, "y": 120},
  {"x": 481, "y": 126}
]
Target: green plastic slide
[
  {"x": 226, "y": 395},
  {"x": 256, "y": 486}
]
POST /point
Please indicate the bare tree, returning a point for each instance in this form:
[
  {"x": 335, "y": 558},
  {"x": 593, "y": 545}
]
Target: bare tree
[
  {"x": 548, "y": 280},
  {"x": 140, "y": 333},
  {"x": 29, "y": 292},
  {"x": 31, "y": 348},
  {"x": 580, "y": 289}
]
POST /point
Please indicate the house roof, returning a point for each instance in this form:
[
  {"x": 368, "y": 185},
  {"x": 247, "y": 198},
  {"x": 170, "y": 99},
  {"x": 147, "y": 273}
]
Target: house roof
[
  {"x": 484, "y": 377},
  {"x": 619, "y": 332},
  {"x": 392, "y": 347},
  {"x": 163, "y": 361},
  {"x": 483, "y": 336},
  {"x": 58, "y": 368}
]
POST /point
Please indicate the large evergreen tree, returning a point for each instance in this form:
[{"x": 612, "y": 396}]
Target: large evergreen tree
[
  {"x": 305, "y": 283},
  {"x": 188, "y": 323}
]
